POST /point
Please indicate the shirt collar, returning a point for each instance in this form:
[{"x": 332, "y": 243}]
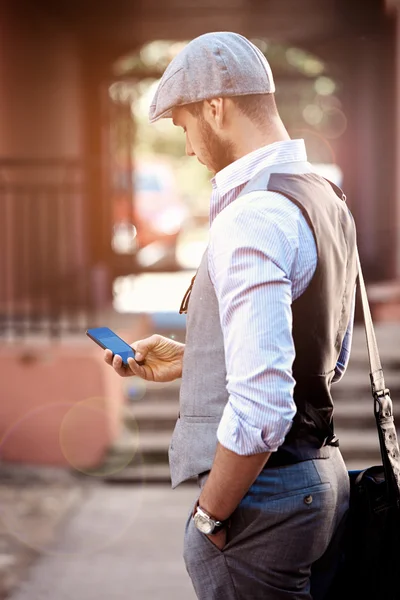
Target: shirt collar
[{"x": 246, "y": 167}]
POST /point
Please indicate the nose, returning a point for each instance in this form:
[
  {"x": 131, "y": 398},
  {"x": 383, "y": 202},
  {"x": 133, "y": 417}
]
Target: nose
[{"x": 189, "y": 149}]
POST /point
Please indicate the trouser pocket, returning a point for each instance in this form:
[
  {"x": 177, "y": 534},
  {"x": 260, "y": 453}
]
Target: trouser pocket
[{"x": 206, "y": 566}]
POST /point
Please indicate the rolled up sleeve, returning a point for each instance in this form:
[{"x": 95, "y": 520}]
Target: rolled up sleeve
[{"x": 251, "y": 275}]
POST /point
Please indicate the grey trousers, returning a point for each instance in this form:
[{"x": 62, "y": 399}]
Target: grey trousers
[{"x": 283, "y": 538}]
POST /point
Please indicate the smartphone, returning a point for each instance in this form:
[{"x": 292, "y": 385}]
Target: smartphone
[{"x": 108, "y": 340}]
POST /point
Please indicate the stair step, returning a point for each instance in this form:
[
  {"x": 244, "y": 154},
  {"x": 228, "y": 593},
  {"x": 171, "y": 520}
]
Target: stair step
[
  {"x": 387, "y": 343},
  {"x": 352, "y": 441},
  {"x": 150, "y": 411},
  {"x": 136, "y": 389},
  {"x": 356, "y": 464},
  {"x": 359, "y": 378},
  {"x": 355, "y": 384},
  {"x": 359, "y": 414},
  {"x": 362, "y": 395},
  {"x": 153, "y": 416},
  {"x": 146, "y": 473},
  {"x": 130, "y": 443},
  {"x": 144, "y": 457},
  {"x": 151, "y": 408},
  {"x": 160, "y": 473}
]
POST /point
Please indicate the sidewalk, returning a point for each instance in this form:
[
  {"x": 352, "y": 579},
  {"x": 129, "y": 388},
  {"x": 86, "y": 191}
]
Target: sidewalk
[
  {"x": 119, "y": 542},
  {"x": 34, "y": 502}
]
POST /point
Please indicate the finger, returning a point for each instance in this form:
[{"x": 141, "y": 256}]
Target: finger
[
  {"x": 108, "y": 357},
  {"x": 119, "y": 367},
  {"x": 136, "y": 369}
]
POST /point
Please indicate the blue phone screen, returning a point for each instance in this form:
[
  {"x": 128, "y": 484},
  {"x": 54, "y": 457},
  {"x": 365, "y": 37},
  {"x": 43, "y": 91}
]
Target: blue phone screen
[
  {"x": 108, "y": 339},
  {"x": 115, "y": 344}
]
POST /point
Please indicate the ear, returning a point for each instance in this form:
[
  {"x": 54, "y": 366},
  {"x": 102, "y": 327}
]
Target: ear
[{"x": 214, "y": 112}]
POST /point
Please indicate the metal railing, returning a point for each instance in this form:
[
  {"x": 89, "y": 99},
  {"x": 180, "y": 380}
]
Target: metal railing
[{"x": 44, "y": 260}]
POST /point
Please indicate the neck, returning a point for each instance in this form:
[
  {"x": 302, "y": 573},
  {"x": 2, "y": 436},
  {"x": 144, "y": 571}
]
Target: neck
[{"x": 252, "y": 138}]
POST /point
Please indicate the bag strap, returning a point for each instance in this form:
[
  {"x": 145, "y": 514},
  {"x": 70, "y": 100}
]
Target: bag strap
[
  {"x": 383, "y": 406},
  {"x": 376, "y": 372}
]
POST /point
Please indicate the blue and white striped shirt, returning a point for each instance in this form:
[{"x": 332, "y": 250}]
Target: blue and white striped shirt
[{"x": 261, "y": 257}]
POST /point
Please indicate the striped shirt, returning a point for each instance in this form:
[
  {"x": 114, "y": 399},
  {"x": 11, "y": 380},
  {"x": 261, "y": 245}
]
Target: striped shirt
[{"x": 261, "y": 257}]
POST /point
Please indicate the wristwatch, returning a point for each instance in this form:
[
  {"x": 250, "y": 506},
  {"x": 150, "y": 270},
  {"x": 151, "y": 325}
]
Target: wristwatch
[{"x": 206, "y": 524}]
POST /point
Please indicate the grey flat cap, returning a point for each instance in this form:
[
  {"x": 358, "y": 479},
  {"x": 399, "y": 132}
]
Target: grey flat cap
[{"x": 210, "y": 66}]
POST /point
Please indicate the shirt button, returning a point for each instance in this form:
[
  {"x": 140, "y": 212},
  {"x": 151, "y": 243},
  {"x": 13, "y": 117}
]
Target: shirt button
[{"x": 308, "y": 499}]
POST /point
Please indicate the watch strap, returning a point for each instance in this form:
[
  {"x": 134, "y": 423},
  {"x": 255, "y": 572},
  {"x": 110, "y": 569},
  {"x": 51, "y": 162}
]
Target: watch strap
[{"x": 218, "y": 525}]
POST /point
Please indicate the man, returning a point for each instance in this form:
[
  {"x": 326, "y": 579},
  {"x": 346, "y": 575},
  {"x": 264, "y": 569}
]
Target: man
[{"x": 269, "y": 325}]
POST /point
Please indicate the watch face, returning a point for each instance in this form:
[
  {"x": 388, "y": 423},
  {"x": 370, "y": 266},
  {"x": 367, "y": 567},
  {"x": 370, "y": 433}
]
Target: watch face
[{"x": 203, "y": 524}]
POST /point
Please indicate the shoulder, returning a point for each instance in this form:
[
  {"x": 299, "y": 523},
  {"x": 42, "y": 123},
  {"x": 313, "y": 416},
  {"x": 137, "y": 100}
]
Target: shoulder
[{"x": 268, "y": 213}]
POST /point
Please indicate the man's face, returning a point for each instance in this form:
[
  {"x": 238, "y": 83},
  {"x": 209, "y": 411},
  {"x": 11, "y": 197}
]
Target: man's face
[{"x": 202, "y": 141}]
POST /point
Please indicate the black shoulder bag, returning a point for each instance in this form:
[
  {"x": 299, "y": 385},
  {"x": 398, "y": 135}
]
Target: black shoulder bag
[{"x": 370, "y": 559}]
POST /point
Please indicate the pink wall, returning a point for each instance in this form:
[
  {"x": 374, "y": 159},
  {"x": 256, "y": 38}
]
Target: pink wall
[{"x": 60, "y": 404}]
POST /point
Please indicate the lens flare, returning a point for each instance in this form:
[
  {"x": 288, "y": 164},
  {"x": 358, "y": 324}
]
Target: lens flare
[
  {"x": 35, "y": 511},
  {"x": 82, "y": 427}
]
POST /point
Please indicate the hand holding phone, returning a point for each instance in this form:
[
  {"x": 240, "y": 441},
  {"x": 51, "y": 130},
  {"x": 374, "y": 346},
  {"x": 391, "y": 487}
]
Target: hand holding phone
[
  {"x": 161, "y": 357},
  {"x": 108, "y": 340}
]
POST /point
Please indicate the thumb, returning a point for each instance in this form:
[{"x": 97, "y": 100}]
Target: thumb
[
  {"x": 142, "y": 347},
  {"x": 139, "y": 353}
]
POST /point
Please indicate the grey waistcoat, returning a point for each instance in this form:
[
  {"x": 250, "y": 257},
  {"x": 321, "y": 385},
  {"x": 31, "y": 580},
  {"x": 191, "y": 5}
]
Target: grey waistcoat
[{"x": 320, "y": 318}]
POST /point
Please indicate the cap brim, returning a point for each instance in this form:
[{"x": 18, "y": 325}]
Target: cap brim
[{"x": 167, "y": 114}]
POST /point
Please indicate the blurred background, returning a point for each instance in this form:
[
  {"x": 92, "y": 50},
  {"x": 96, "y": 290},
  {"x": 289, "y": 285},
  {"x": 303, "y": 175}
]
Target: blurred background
[{"x": 103, "y": 222}]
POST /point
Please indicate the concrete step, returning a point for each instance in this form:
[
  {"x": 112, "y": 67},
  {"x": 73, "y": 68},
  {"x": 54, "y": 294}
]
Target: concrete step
[
  {"x": 153, "y": 415},
  {"x": 354, "y": 383},
  {"x": 147, "y": 474},
  {"x": 153, "y": 407},
  {"x": 153, "y": 448},
  {"x": 358, "y": 442},
  {"x": 360, "y": 414},
  {"x": 357, "y": 376},
  {"x": 362, "y": 396},
  {"x": 142, "y": 474},
  {"x": 130, "y": 443},
  {"x": 136, "y": 389},
  {"x": 387, "y": 335},
  {"x": 118, "y": 471},
  {"x": 353, "y": 442},
  {"x": 140, "y": 456}
]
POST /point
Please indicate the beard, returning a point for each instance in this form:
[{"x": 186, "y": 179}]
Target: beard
[{"x": 218, "y": 153}]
